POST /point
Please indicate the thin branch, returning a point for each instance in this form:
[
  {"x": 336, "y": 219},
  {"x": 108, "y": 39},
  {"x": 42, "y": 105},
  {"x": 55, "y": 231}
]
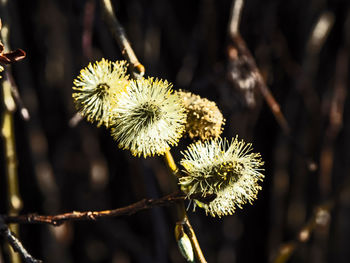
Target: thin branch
[
  {"x": 169, "y": 160},
  {"x": 241, "y": 61},
  {"x": 138, "y": 70},
  {"x": 316, "y": 41},
  {"x": 240, "y": 56},
  {"x": 336, "y": 111},
  {"x": 194, "y": 242},
  {"x": 181, "y": 211},
  {"x": 74, "y": 121},
  {"x": 59, "y": 219},
  {"x": 235, "y": 18},
  {"x": 16, "y": 244},
  {"x": 24, "y": 113},
  {"x": 8, "y": 134},
  {"x": 320, "y": 32},
  {"x": 320, "y": 218}
]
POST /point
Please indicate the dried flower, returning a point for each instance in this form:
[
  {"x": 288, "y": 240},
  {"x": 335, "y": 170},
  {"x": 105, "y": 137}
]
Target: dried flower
[
  {"x": 97, "y": 87},
  {"x": 149, "y": 118},
  {"x": 228, "y": 170},
  {"x": 204, "y": 119}
]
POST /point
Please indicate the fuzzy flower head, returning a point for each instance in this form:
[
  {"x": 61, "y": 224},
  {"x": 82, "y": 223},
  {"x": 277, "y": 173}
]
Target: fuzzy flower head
[
  {"x": 229, "y": 171},
  {"x": 149, "y": 118},
  {"x": 96, "y": 88},
  {"x": 204, "y": 119}
]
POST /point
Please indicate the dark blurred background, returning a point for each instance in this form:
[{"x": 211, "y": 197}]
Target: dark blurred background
[{"x": 63, "y": 168}]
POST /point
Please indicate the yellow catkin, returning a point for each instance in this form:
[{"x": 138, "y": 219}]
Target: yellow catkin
[
  {"x": 96, "y": 89},
  {"x": 148, "y": 118},
  {"x": 204, "y": 119},
  {"x": 228, "y": 170}
]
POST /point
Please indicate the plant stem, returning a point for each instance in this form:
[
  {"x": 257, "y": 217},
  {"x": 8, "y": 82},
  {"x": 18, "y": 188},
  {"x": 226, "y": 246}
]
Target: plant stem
[
  {"x": 181, "y": 213},
  {"x": 169, "y": 160},
  {"x": 59, "y": 219},
  {"x": 7, "y": 132},
  {"x": 236, "y": 12},
  {"x": 118, "y": 32},
  {"x": 16, "y": 244}
]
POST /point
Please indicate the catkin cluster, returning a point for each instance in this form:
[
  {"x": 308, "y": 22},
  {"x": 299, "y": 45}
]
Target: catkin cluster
[{"x": 146, "y": 117}]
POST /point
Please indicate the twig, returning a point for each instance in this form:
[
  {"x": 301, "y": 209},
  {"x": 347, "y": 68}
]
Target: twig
[
  {"x": 241, "y": 62},
  {"x": 335, "y": 121},
  {"x": 336, "y": 108},
  {"x": 320, "y": 218},
  {"x": 315, "y": 43},
  {"x": 16, "y": 244},
  {"x": 320, "y": 32},
  {"x": 181, "y": 212},
  {"x": 74, "y": 121},
  {"x": 194, "y": 242},
  {"x": 7, "y": 131},
  {"x": 59, "y": 219},
  {"x": 169, "y": 160},
  {"x": 138, "y": 70},
  {"x": 8, "y": 134},
  {"x": 24, "y": 113},
  {"x": 238, "y": 55},
  {"x": 235, "y": 18}
]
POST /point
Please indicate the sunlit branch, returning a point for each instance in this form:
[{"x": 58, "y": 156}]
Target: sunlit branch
[{"x": 59, "y": 219}]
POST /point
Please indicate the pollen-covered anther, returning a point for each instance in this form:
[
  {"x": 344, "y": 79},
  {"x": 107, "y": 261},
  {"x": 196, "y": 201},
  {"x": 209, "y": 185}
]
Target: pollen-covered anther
[{"x": 204, "y": 119}]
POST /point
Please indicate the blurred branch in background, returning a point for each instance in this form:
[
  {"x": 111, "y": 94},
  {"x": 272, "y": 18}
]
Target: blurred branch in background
[
  {"x": 336, "y": 109},
  {"x": 235, "y": 17},
  {"x": 320, "y": 218},
  {"x": 305, "y": 81},
  {"x": 247, "y": 78},
  {"x": 8, "y": 134},
  {"x": 305, "y": 85},
  {"x": 335, "y": 106},
  {"x": 14, "y": 200},
  {"x": 244, "y": 72},
  {"x": 24, "y": 113},
  {"x": 316, "y": 41}
]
